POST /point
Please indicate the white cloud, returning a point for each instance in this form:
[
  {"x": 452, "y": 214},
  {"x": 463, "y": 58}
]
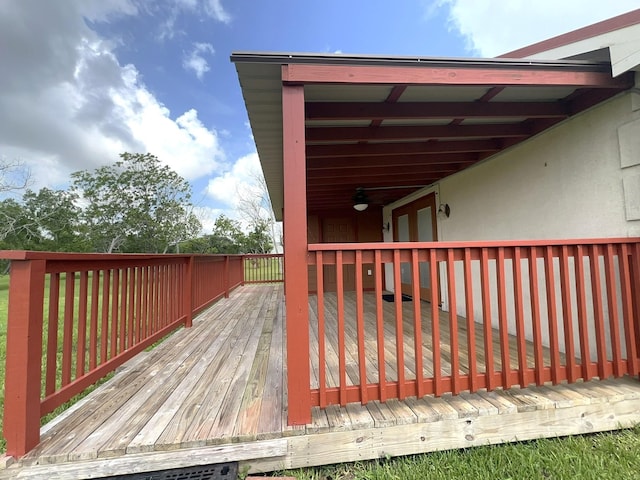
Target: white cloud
[
  {"x": 239, "y": 179},
  {"x": 215, "y": 10},
  {"x": 68, "y": 104},
  {"x": 173, "y": 9},
  {"x": 195, "y": 60},
  {"x": 493, "y": 27}
]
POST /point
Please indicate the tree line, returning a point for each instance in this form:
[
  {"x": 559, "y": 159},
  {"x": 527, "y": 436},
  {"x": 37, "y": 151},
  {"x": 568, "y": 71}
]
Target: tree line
[{"x": 136, "y": 205}]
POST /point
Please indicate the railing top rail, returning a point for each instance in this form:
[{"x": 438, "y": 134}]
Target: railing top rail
[
  {"x": 315, "y": 247},
  {"x": 38, "y": 255}
]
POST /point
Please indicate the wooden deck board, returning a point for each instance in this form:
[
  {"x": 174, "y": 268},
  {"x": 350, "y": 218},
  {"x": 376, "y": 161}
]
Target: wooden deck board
[{"x": 216, "y": 392}]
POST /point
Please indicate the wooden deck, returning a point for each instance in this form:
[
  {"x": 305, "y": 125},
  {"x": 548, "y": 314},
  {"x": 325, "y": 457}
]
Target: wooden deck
[{"x": 215, "y": 393}]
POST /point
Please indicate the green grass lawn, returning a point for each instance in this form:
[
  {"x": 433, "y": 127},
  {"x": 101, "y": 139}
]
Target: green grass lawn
[{"x": 264, "y": 269}]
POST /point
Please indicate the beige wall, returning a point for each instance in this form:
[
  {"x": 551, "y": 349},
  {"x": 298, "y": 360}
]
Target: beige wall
[{"x": 565, "y": 183}]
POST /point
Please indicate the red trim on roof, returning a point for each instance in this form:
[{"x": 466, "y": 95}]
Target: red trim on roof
[{"x": 606, "y": 26}]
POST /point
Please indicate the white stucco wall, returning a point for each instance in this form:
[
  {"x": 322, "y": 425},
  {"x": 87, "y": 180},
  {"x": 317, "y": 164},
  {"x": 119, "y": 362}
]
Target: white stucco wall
[{"x": 565, "y": 183}]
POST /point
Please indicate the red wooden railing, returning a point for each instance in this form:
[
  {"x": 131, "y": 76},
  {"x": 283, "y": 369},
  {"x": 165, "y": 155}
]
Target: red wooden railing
[
  {"x": 564, "y": 310},
  {"x": 266, "y": 268},
  {"x": 73, "y": 318}
]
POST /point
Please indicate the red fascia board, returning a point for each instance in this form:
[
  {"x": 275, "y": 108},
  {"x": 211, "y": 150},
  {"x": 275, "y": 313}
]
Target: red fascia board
[
  {"x": 426, "y": 75},
  {"x": 616, "y": 23}
]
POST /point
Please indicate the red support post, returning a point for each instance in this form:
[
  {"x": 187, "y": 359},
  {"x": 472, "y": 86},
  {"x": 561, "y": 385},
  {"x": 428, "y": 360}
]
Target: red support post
[
  {"x": 296, "y": 286},
  {"x": 24, "y": 354}
]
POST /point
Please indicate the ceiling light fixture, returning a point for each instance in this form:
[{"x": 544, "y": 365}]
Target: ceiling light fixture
[{"x": 360, "y": 200}]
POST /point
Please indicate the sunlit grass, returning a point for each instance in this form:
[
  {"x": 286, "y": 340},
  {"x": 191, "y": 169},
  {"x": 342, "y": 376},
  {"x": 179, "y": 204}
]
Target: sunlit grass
[{"x": 264, "y": 269}]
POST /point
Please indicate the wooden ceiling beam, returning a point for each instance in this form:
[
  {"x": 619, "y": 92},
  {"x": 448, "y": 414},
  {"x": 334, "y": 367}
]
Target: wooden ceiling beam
[
  {"x": 398, "y": 178},
  {"x": 396, "y": 161},
  {"x": 381, "y": 171},
  {"x": 432, "y": 110},
  {"x": 414, "y": 132},
  {"x": 490, "y": 74},
  {"x": 414, "y": 148}
]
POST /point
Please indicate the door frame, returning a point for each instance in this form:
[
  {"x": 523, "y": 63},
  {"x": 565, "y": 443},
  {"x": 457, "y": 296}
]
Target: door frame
[{"x": 411, "y": 209}]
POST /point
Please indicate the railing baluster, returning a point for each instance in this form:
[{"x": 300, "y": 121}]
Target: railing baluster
[
  {"x": 417, "y": 323},
  {"x": 397, "y": 285},
  {"x": 342, "y": 366},
  {"x": 132, "y": 308},
  {"x": 362, "y": 359},
  {"x": 438, "y": 387},
  {"x": 322, "y": 354},
  {"x": 612, "y": 303},
  {"x": 104, "y": 330},
  {"x": 471, "y": 327},
  {"x": 382, "y": 375},
  {"x": 598, "y": 316},
  {"x": 115, "y": 293},
  {"x": 502, "y": 320},
  {"x": 536, "y": 319},
  {"x": 95, "y": 308},
  {"x": 52, "y": 333},
  {"x": 453, "y": 324},
  {"x": 140, "y": 293},
  {"x": 567, "y": 314},
  {"x": 146, "y": 285},
  {"x": 583, "y": 326},
  {"x": 523, "y": 368},
  {"x": 67, "y": 338},
  {"x": 81, "y": 347},
  {"x": 552, "y": 314},
  {"x": 486, "y": 319},
  {"x": 123, "y": 310}
]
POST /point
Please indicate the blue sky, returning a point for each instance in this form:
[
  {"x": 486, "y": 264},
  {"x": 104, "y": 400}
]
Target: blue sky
[{"x": 86, "y": 79}]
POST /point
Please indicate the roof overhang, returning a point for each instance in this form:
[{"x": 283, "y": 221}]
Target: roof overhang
[
  {"x": 394, "y": 124},
  {"x": 616, "y": 40}
]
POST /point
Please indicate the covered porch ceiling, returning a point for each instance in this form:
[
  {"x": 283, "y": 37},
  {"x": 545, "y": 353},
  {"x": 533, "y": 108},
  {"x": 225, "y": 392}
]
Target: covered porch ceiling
[{"x": 392, "y": 125}]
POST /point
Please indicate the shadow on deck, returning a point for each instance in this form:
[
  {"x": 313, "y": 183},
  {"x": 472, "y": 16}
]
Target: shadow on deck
[{"x": 215, "y": 393}]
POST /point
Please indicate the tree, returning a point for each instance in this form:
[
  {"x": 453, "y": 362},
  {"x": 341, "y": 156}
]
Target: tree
[
  {"x": 54, "y": 216},
  {"x": 14, "y": 176},
  {"x": 254, "y": 206},
  {"x": 136, "y": 205},
  {"x": 258, "y": 240},
  {"x": 15, "y": 231}
]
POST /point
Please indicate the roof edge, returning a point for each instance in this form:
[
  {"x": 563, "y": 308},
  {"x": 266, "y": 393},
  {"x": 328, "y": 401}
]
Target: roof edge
[
  {"x": 609, "y": 25},
  {"x": 284, "y": 58}
]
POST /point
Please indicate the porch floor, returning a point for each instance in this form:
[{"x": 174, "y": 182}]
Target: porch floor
[{"x": 215, "y": 393}]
